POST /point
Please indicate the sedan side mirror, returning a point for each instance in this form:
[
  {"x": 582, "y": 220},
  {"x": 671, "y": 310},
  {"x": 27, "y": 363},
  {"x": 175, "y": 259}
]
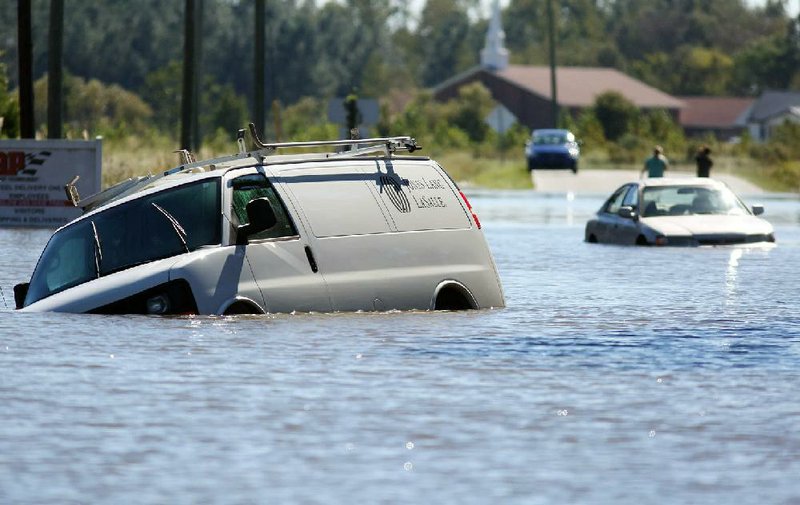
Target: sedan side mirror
[
  {"x": 20, "y": 292},
  {"x": 261, "y": 217},
  {"x": 627, "y": 212},
  {"x": 758, "y": 210}
]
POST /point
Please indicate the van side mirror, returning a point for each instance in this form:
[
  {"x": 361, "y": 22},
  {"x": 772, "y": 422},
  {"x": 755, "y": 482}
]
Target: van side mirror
[
  {"x": 260, "y": 217},
  {"x": 758, "y": 210},
  {"x": 20, "y": 292},
  {"x": 627, "y": 212}
]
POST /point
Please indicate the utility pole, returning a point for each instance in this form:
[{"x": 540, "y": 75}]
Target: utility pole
[
  {"x": 259, "y": 104},
  {"x": 553, "y": 88},
  {"x": 197, "y": 80},
  {"x": 27, "y": 129},
  {"x": 55, "y": 105},
  {"x": 189, "y": 71}
]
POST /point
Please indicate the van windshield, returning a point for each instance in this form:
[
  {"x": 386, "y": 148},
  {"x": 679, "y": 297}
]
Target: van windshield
[{"x": 158, "y": 226}]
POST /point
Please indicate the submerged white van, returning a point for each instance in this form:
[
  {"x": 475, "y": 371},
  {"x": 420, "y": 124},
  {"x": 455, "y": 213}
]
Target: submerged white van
[{"x": 260, "y": 232}]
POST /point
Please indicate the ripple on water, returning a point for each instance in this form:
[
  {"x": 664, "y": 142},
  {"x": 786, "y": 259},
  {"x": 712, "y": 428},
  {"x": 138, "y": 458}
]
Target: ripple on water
[{"x": 615, "y": 374}]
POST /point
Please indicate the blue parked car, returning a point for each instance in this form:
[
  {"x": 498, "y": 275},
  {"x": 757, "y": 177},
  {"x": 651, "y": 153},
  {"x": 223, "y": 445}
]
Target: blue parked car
[{"x": 552, "y": 148}]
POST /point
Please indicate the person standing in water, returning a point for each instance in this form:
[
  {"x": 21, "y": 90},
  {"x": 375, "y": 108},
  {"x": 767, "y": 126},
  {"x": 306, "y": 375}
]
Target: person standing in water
[
  {"x": 704, "y": 162},
  {"x": 657, "y": 164}
]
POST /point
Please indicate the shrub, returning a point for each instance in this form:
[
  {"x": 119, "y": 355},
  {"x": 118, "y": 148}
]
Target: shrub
[
  {"x": 615, "y": 113},
  {"x": 9, "y": 108},
  {"x": 95, "y": 108}
]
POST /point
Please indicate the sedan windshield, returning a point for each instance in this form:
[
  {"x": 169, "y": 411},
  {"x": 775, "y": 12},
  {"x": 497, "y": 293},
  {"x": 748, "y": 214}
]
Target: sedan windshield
[
  {"x": 552, "y": 138},
  {"x": 158, "y": 226},
  {"x": 682, "y": 200}
]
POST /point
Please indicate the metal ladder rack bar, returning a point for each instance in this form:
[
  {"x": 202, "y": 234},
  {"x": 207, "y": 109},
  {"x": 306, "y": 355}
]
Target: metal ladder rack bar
[
  {"x": 387, "y": 145},
  {"x": 393, "y": 143}
]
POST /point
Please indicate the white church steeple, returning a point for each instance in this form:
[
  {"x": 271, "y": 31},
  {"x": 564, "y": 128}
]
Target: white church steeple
[{"x": 494, "y": 54}]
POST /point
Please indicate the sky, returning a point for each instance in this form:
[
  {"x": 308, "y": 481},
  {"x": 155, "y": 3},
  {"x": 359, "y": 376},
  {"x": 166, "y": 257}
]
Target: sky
[{"x": 792, "y": 6}]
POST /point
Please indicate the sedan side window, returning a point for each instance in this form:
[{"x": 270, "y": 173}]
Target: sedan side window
[
  {"x": 250, "y": 187},
  {"x": 615, "y": 202},
  {"x": 632, "y": 197}
]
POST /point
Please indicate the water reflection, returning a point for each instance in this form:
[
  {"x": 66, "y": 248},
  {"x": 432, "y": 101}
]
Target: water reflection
[
  {"x": 730, "y": 275},
  {"x": 570, "y": 210}
]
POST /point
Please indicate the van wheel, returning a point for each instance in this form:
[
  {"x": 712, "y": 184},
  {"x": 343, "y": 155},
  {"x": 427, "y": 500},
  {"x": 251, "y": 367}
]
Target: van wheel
[
  {"x": 242, "y": 308},
  {"x": 454, "y": 297},
  {"x": 591, "y": 239},
  {"x": 640, "y": 240}
]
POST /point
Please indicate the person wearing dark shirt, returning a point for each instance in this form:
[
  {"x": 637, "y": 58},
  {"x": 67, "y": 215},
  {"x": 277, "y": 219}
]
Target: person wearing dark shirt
[{"x": 704, "y": 162}]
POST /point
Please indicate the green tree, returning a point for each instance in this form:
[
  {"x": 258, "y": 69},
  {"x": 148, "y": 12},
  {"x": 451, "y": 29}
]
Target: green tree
[
  {"x": 524, "y": 22},
  {"x": 307, "y": 119},
  {"x": 440, "y": 40},
  {"x": 221, "y": 106},
  {"x": 9, "y": 108},
  {"x": 615, "y": 113},
  {"x": 468, "y": 112},
  {"x": 786, "y": 138},
  {"x": 769, "y": 63},
  {"x": 689, "y": 70},
  {"x": 658, "y": 127},
  {"x": 96, "y": 108},
  {"x": 589, "y": 130},
  {"x": 223, "y": 110},
  {"x": 704, "y": 71},
  {"x": 162, "y": 90},
  {"x": 646, "y": 27}
]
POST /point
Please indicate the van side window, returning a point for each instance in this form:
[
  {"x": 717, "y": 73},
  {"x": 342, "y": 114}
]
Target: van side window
[
  {"x": 250, "y": 187},
  {"x": 143, "y": 230},
  {"x": 146, "y": 229}
]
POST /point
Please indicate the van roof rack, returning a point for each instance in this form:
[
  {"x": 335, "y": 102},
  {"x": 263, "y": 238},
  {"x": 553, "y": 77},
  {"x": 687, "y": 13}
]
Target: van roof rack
[
  {"x": 389, "y": 145},
  {"x": 358, "y": 147}
]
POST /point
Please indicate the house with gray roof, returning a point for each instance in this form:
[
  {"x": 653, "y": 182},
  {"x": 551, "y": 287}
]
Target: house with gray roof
[
  {"x": 526, "y": 90},
  {"x": 770, "y": 110}
]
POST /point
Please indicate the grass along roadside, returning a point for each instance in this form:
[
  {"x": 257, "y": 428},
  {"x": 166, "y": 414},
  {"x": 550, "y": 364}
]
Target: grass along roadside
[
  {"x": 783, "y": 177},
  {"x": 135, "y": 156},
  {"x": 493, "y": 173}
]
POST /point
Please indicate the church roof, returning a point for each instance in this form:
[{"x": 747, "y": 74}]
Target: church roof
[{"x": 580, "y": 86}]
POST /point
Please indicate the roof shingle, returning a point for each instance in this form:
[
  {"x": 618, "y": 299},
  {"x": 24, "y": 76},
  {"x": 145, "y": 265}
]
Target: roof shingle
[
  {"x": 580, "y": 86},
  {"x": 714, "y": 112}
]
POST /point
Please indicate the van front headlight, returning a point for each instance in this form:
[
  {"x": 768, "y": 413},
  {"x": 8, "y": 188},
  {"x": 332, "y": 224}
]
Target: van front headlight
[{"x": 158, "y": 304}]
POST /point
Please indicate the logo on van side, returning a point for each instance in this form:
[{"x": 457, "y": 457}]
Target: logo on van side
[{"x": 395, "y": 193}]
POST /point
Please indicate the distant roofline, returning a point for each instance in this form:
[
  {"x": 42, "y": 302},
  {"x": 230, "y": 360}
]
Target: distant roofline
[
  {"x": 666, "y": 101},
  {"x": 458, "y": 77}
]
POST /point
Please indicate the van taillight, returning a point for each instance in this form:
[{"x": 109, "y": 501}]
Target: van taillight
[{"x": 469, "y": 208}]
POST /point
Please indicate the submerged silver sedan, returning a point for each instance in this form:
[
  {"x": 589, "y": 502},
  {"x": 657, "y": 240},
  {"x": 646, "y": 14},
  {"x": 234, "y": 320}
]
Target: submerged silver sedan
[{"x": 677, "y": 211}]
